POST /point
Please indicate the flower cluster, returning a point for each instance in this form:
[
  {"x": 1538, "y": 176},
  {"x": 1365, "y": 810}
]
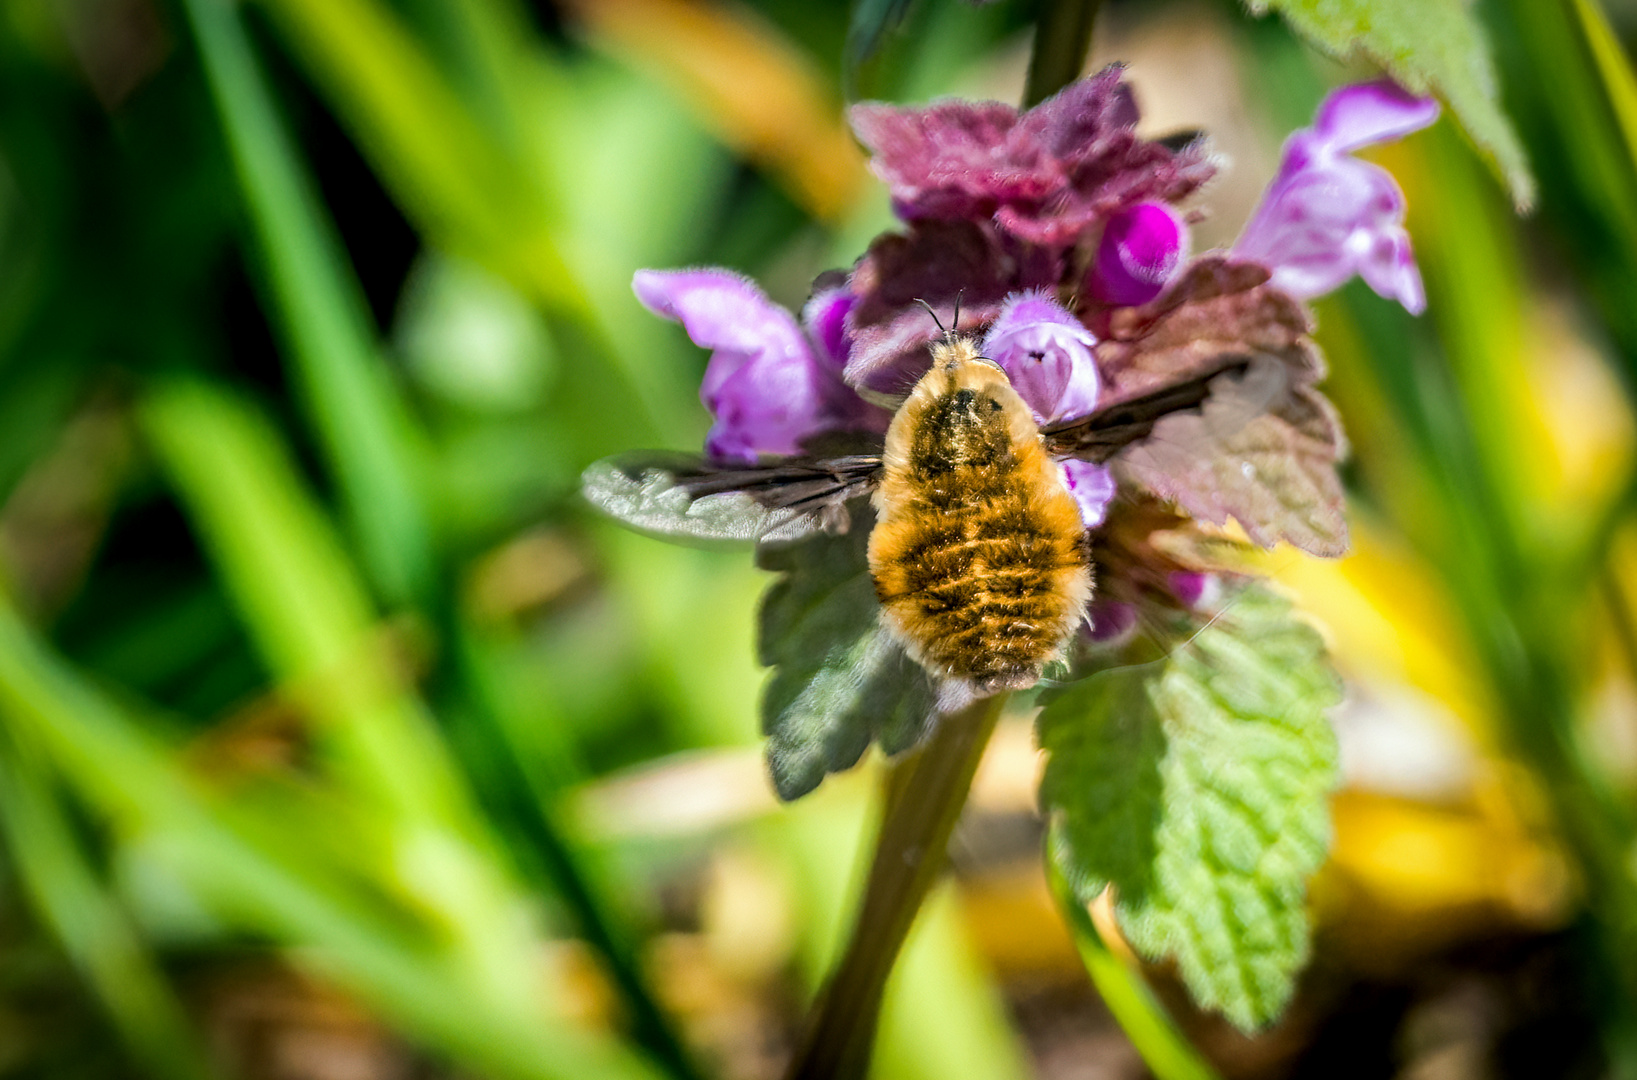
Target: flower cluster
[{"x": 1059, "y": 233}]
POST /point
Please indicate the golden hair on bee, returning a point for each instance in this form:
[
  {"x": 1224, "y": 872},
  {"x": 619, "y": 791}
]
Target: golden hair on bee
[{"x": 977, "y": 552}]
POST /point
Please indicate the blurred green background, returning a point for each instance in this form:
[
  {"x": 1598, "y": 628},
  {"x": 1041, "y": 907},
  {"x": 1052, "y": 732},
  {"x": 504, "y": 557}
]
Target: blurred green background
[{"x": 337, "y": 741}]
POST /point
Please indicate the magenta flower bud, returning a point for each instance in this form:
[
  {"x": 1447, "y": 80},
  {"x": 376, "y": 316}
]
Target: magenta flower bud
[
  {"x": 1141, "y": 248},
  {"x": 1327, "y": 216},
  {"x": 766, "y": 385},
  {"x": 1046, "y": 352},
  {"x": 1110, "y": 621},
  {"x": 1195, "y": 590},
  {"x": 1092, "y": 486}
]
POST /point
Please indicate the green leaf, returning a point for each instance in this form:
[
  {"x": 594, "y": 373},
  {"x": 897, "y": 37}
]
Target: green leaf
[
  {"x": 1196, "y": 787},
  {"x": 839, "y": 679},
  {"x": 1435, "y": 45}
]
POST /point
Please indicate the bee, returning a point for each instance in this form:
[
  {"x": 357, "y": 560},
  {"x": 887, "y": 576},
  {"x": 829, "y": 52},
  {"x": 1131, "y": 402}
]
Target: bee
[{"x": 978, "y": 553}]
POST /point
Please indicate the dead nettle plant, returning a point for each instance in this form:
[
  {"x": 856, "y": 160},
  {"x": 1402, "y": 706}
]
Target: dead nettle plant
[{"x": 1036, "y": 344}]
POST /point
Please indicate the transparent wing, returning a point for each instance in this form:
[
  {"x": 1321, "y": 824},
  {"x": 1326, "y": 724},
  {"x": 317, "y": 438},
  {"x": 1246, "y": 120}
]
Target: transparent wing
[
  {"x": 684, "y": 496},
  {"x": 1109, "y": 430}
]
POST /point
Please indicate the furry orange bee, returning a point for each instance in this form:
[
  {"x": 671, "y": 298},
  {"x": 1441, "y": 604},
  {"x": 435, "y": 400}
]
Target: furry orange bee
[{"x": 978, "y": 553}]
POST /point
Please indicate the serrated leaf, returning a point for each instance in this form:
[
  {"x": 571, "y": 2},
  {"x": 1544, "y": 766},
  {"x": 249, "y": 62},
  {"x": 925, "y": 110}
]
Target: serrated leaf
[
  {"x": 1274, "y": 473},
  {"x": 1427, "y": 45},
  {"x": 839, "y": 680},
  {"x": 1196, "y": 787},
  {"x": 1264, "y": 446}
]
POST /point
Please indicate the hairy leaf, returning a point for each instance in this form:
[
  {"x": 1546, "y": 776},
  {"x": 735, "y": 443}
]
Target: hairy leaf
[
  {"x": 839, "y": 679},
  {"x": 1274, "y": 471},
  {"x": 1196, "y": 786},
  {"x": 1264, "y": 446},
  {"x": 1427, "y": 45}
]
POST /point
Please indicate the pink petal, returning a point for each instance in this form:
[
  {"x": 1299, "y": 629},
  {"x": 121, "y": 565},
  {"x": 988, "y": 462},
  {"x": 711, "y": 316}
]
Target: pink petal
[
  {"x": 1327, "y": 216},
  {"x": 764, "y": 384},
  {"x": 1046, "y": 352},
  {"x": 1140, "y": 250},
  {"x": 1092, "y": 486},
  {"x": 1364, "y": 114}
]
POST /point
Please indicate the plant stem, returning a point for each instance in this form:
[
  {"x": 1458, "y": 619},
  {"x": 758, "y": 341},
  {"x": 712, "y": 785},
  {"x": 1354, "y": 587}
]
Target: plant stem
[
  {"x": 1166, "y": 1050},
  {"x": 924, "y": 796},
  {"x": 1062, "y": 38}
]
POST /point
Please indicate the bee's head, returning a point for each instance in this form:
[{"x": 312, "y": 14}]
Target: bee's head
[{"x": 954, "y": 349}]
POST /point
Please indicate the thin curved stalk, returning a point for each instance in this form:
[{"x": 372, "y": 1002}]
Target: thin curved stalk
[
  {"x": 925, "y": 794},
  {"x": 1062, "y": 38},
  {"x": 1150, "y": 1028}
]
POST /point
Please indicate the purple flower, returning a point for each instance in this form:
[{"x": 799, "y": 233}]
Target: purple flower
[
  {"x": 1110, "y": 622},
  {"x": 1195, "y": 589},
  {"x": 1327, "y": 215},
  {"x": 1046, "y": 352},
  {"x": 1045, "y": 175},
  {"x": 1092, "y": 486},
  {"x": 767, "y": 386},
  {"x": 1138, "y": 254}
]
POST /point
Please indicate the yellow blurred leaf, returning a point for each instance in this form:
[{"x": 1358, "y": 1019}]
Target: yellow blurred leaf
[{"x": 750, "y": 85}]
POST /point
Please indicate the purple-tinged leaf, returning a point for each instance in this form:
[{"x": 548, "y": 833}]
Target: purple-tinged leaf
[{"x": 1046, "y": 175}]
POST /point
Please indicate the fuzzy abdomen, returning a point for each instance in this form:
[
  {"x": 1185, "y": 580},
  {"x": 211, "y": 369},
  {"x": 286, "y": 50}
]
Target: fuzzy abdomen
[{"x": 977, "y": 552}]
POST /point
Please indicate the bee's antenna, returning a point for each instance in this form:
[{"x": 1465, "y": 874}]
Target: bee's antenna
[
  {"x": 934, "y": 314},
  {"x": 955, "y": 323}
]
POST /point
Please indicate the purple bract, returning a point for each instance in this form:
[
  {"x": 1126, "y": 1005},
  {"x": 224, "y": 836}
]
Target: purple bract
[{"x": 1045, "y": 175}]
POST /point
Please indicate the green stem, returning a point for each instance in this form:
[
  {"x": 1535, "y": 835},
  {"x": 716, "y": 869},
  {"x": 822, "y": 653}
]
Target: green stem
[
  {"x": 925, "y": 794},
  {"x": 1062, "y": 38},
  {"x": 1146, "y": 1023}
]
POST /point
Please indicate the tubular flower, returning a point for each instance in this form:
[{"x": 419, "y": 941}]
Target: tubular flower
[
  {"x": 1046, "y": 352},
  {"x": 769, "y": 384},
  {"x": 1327, "y": 215},
  {"x": 1140, "y": 250}
]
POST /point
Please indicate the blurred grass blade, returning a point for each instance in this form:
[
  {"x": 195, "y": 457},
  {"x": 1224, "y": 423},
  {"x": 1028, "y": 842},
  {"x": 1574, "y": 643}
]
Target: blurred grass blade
[
  {"x": 868, "y": 22},
  {"x": 750, "y": 85},
  {"x": 256, "y": 877},
  {"x": 1151, "y": 1030},
  {"x": 488, "y": 198},
  {"x": 452, "y": 176},
  {"x": 93, "y": 929},
  {"x": 1613, "y": 67},
  {"x": 526, "y": 790},
  {"x": 320, "y": 308},
  {"x": 301, "y": 602},
  {"x": 311, "y": 619}
]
